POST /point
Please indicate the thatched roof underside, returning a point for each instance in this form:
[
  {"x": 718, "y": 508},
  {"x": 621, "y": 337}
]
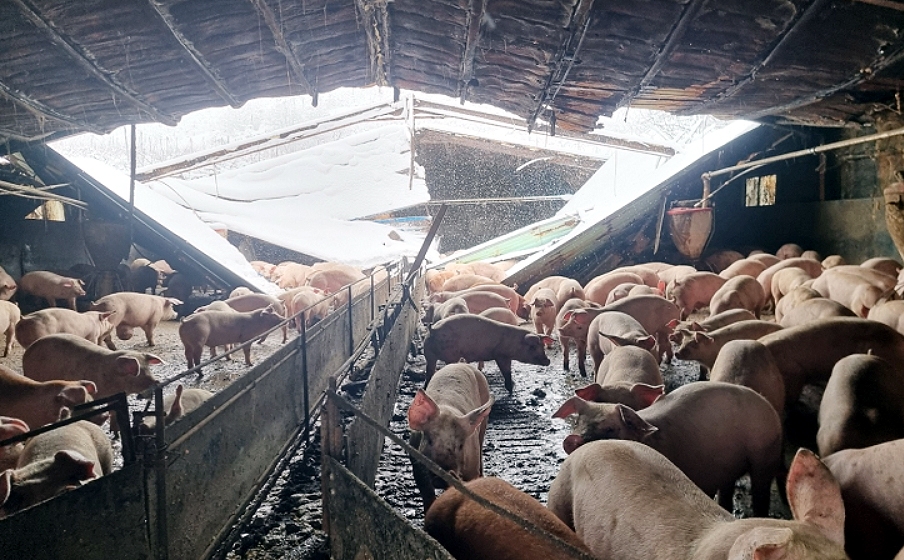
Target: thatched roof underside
[{"x": 93, "y": 65}]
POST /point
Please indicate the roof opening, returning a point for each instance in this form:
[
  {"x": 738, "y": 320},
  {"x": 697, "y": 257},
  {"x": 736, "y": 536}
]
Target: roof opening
[{"x": 760, "y": 191}]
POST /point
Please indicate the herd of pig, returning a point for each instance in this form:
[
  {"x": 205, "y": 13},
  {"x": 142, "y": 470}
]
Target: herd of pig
[
  {"x": 70, "y": 358},
  {"x": 644, "y": 466}
]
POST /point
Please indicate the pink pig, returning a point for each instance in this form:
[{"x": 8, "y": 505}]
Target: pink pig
[
  {"x": 9, "y": 317},
  {"x": 130, "y": 310},
  {"x": 7, "y": 285},
  {"x": 93, "y": 326},
  {"x": 52, "y": 287}
]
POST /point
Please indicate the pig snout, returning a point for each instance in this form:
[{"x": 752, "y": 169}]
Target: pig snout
[{"x": 572, "y": 442}]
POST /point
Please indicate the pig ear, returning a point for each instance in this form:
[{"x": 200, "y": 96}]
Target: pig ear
[
  {"x": 695, "y": 326},
  {"x": 617, "y": 341},
  {"x": 6, "y": 485},
  {"x": 635, "y": 423},
  {"x": 89, "y": 386},
  {"x": 762, "y": 543},
  {"x": 73, "y": 394},
  {"x": 547, "y": 340},
  {"x": 174, "y": 301},
  {"x": 155, "y": 360},
  {"x": 127, "y": 365},
  {"x": 647, "y": 343},
  {"x": 648, "y": 394},
  {"x": 82, "y": 467},
  {"x": 574, "y": 405},
  {"x": 815, "y": 497},
  {"x": 567, "y": 316},
  {"x": 702, "y": 337},
  {"x": 423, "y": 409},
  {"x": 11, "y": 427},
  {"x": 590, "y": 392},
  {"x": 175, "y": 411},
  {"x": 661, "y": 287},
  {"x": 476, "y": 416},
  {"x": 581, "y": 317},
  {"x": 673, "y": 323},
  {"x": 106, "y": 315}
]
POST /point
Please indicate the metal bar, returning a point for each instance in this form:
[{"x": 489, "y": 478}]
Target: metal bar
[
  {"x": 351, "y": 327},
  {"x": 434, "y": 227},
  {"x": 133, "y": 157},
  {"x": 807, "y": 152},
  {"x": 498, "y": 200},
  {"x": 205, "y": 68},
  {"x": 121, "y": 409},
  {"x": 306, "y": 394},
  {"x": 474, "y": 18},
  {"x": 671, "y": 43},
  {"x": 373, "y": 298},
  {"x": 160, "y": 471},
  {"x": 282, "y": 44},
  {"x": 327, "y": 416},
  {"x": 84, "y": 411},
  {"x": 89, "y": 64}
]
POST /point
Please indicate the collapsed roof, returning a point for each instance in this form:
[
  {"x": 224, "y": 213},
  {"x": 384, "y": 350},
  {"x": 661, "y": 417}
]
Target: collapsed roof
[{"x": 94, "y": 65}]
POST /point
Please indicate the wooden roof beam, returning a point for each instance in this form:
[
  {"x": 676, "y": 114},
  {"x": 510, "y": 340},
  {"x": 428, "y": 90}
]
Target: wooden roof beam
[
  {"x": 815, "y": 8},
  {"x": 691, "y": 9},
  {"x": 376, "y": 26},
  {"x": 282, "y": 44},
  {"x": 88, "y": 65},
  {"x": 205, "y": 68},
  {"x": 43, "y": 111},
  {"x": 476, "y": 10},
  {"x": 580, "y": 21}
]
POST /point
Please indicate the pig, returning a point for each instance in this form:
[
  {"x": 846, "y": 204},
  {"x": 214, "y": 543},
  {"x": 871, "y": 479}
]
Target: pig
[
  {"x": 624, "y": 290},
  {"x": 515, "y": 302},
  {"x": 615, "y": 328},
  {"x": 51, "y": 287},
  {"x": 721, "y": 260},
  {"x": 543, "y": 311},
  {"x": 436, "y": 278},
  {"x": 179, "y": 286},
  {"x": 704, "y": 347},
  {"x": 253, "y": 302},
  {"x": 668, "y": 276},
  {"x": 813, "y": 268},
  {"x": 648, "y": 274},
  {"x": 308, "y": 305},
  {"x": 884, "y": 265},
  {"x": 807, "y": 353},
  {"x": 216, "y": 328},
  {"x": 144, "y": 278},
  {"x": 654, "y": 313},
  {"x": 629, "y": 376},
  {"x": 740, "y": 292},
  {"x": 489, "y": 270},
  {"x": 764, "y": 258},
  {"x": 9, "y": 317},
  {"x": 218, "y": 305},
  {"x": 789, "y": 251},
  {"x": 748, "y": 267},
  {"x": 163, "y": 267},
  {"x": 240, "y": 291},
  {"x": 450, "y": 307},
  {"x": 873, "y": 492},
  {"x": 813, "y": 310},
  {"x": 890, "y": 313},
  {"x": 130, "y": 310},
  {"x": 712, "y": 323},
  {"x": 477, "y": 338},
  {"x": 470, "y": 531},
  {"x": 572, "y": 322},
  {"x": 695, "y": 291},
  {"x": 71, "y": 358},
  {"x": 863, "y": 405},
  {"x": 479, "y": 301},
  {"x": 599, "y": 287},
  {"x": 628, "y": 502},
  {"x": 550, "y": 282},
  {"x": 54, "y": 462},
  {"x": 812, "y": 255},
  {"x": 36, "y": 403},
  {"x": 465, "y": 281},
  {"x": 794, "y": 298},
  {"x": 94, "y": 326},
  {"x": 293, "y": 275},
  {"x": 714, "y": 432},
  {"x": 10, "y": 428},
  {"x": 749, "y": 363},
  {"x": 854, "y": 291},
  {"x": 568, "y": 289},
  {"x": 452, "y": 415},
  {"x": 503, "y": 315},
  {"x": 176, "y": 406},
  {"x": 7, "y": 285},
  {"x": 786, "y": 280},
  {"x": 832, "y": 261}
]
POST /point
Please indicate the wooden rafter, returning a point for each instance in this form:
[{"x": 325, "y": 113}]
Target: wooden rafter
[
  {"x": 884, "y": 4},
  {"x": 282, "y": 44},
  {"x": 813, "y": 10},
  {"x": 691, "y": 9},
  {"x": 206, "y": 69},
  {"x": 375, "y": 17},
  {"x": 580, "y": 21},
  {"x": 476, "y": 9},
  {"x": 44, "y": 111},
  {"x": 86, "y": 63}
]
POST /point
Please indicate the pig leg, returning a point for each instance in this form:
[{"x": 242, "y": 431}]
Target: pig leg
[
  {"x": 662, "y": 340},
  {"x": 285, "y": 332},
  {"x": 582, "y": 357},
  {"x": 213, "y": 352},
  {"x": 149, "y": 333},
  {"x": 431, "y": 359},
  {"x": 71, "y": 302},
  {"x": 566, "y": 350},
  {"x": 9, "y": 342},
  {"x": 108, "y": 341},
  {"x": 505, "y": 366},
  {"x": 247, "y": 351}
]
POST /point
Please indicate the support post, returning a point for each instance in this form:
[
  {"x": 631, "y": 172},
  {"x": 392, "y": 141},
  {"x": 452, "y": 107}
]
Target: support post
[{"x": 160, "y": 471}]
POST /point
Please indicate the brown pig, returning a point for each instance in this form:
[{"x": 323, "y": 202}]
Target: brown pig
[
  {"x": 813, "y": 310},
  {"x": 452, "y": 413},
  {"x": 130, "y": 310},
  {"x": 94, "y": 326},
  {"x": 51, "y": 287},
  {"x": 543, "y": 311},
  {"x": 884, "y": 265},
  {"x": 54, "y": 462},
  {"x": 217, "y": 328},
  {"x": 890, "y": 313},
  {"x": 7, "y": 285},
  {"x": 873, "y": 490},
  {"x": 176, "y": 406},
  {"x": 695, "y": 291},
  {"x": 704, "y": 347},
  {"x": 740, "y": 292},
  {"x": 477, "y": 338},
  {"x": 253, "y": 302},
  {"x": 807, "y": 353},
  {"x": 36, "y": 403},
  {"x": 863, "y": 405},
  {"x": 9, "y": 318},
  {"x": 749, "y": 363},
  {"x": 628, "y": 375},
  {"x": 470, "y": 531},
  {"x": 68, "y": 357},
  {"x": 628, "y": 502},
  {"x": 714, "y": 432}
]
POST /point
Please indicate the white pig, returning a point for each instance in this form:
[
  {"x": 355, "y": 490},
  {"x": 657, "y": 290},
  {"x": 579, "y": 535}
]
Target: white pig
[
  {"x": 93, "y": 326},
  {"x": 130, "y": 310},
  {"x": 9, "y": 317},
  {"x": 51, "y": 287}
]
